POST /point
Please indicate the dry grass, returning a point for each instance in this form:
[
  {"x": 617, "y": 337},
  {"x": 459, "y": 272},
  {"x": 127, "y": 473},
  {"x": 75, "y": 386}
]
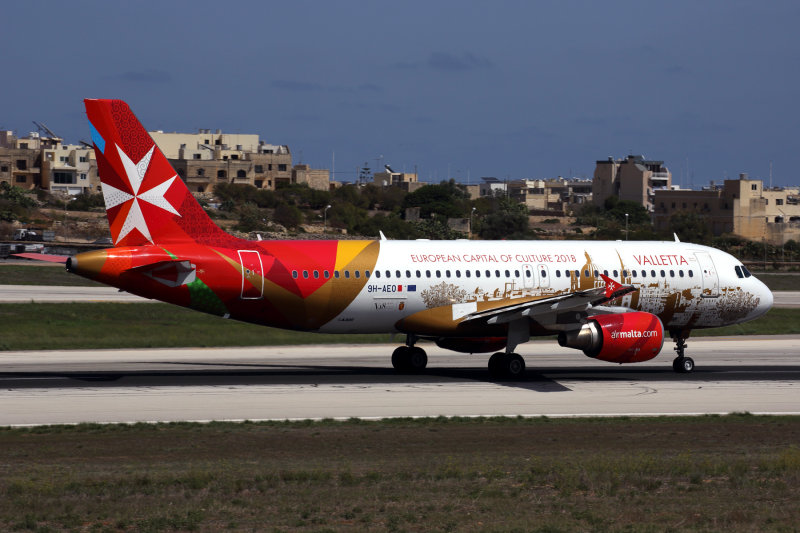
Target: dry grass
[{"x": 738, "y": 473}]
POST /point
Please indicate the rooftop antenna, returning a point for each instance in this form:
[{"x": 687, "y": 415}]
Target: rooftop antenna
[{"x": 770, "y": 174}]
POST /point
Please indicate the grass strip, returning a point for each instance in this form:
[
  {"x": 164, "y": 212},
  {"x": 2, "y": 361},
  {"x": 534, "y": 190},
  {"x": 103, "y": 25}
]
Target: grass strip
[
  {"x": 733, "y": 473},
  {"x": 51, "y": 326},
  {"x": 56, "y": 326}
]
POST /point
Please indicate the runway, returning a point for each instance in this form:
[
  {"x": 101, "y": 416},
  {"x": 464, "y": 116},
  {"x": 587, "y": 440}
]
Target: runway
[
  {"x": 733, "y": 374},
  {"x": 54, "y": 294}
]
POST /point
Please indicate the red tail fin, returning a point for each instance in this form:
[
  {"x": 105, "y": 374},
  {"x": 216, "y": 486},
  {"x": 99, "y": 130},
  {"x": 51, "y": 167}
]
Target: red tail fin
[{"x": 146, "y": 201}]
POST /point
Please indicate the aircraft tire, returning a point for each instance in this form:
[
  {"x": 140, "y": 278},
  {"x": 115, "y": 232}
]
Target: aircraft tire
[
  {"x": 400, "y": 358},
  {"x": 496, "y": 365},
  {"x": 416, "y": 359},
  {"x": 514, "y": 366},
  {"x": 683, "y": 365}
]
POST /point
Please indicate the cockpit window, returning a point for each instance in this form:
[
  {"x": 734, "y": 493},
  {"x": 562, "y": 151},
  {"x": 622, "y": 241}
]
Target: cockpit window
[
  {"x": 747, "y": 273},
  {"x": 738, "y": 270}
]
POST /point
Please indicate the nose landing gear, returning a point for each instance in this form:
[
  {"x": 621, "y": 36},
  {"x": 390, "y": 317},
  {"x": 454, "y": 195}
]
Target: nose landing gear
[{"x": 682, "y": 364}]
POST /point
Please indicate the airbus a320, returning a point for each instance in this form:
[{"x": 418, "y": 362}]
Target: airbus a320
[{"x": 615, "y": 301}]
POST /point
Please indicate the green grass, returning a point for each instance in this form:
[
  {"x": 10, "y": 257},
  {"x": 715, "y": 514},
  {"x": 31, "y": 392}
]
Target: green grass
[
  {"x": 51, "y": 326},
  {"x": 46, "y": 326},
  {"x": 44, "y": 274},
  {"x": 734, "y": 473}
]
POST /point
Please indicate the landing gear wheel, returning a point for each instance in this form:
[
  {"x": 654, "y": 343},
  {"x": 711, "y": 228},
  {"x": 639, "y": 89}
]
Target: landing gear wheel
[
  {"x": 409, "y": 359},
  {"x": 417, "y": 360},
  {"x": 683, "y": 365},
  {"x": 515, "y": 366},
  {"x": 506, "y": 366},
  {"x": 400, "y": 358},
  {"x": 496, "y": 365}
]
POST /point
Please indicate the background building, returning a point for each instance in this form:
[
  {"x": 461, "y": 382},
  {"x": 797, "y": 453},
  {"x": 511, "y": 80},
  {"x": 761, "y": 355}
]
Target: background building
[
  {"x": 741, "y": 207},
  {"x": 633, "y": 178}
]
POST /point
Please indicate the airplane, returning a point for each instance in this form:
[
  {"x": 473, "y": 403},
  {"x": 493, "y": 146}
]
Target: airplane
[{"x": 615, "y": 301}]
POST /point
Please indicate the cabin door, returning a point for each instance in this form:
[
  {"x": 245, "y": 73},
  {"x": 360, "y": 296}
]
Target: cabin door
[
  {"x": 252, "y": 275},
  {"x": 708, "y": 274}
]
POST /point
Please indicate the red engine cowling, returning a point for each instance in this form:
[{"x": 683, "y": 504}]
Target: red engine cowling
[{"x": 619, "y": 338}]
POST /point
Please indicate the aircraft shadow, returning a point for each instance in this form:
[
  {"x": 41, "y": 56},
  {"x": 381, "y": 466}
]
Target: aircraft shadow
[{"x": 537, "y": 379}]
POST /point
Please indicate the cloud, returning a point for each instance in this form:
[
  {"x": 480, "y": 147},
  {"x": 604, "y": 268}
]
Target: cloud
[
  {"x": 452, "y": 62},
  {"x": 149, "y": 75}
]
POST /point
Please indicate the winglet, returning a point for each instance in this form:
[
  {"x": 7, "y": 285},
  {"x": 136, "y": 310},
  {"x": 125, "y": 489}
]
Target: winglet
[
  {"x": 612, "y": 287},
  {"x": 676, "y": 237}
]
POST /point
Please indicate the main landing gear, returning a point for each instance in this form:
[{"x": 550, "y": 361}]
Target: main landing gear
[
  {"x": 409, "y": 359},
  {"x": 682, "y": 364},
  {"x": 503, "y": 365}
]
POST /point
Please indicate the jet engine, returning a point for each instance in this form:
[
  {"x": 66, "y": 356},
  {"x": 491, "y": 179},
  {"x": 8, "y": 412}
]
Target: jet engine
[{"x": 619, "y": 338}]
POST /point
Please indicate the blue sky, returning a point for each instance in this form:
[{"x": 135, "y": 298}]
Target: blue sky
[{"x": 532, "y": 89}]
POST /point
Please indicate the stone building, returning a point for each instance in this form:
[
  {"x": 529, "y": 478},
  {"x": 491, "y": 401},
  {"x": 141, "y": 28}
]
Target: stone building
[
  {"x": 633, "y": 178},
  {"x": 204, "y": 159},
  {"x": 36, "y": 162},
  {"x": 407, "y": 181},
  {"x": 741, "y": 207}
]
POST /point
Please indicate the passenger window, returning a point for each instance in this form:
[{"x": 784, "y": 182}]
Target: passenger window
[
  {"x": 558, "y": 273},
  {"x": 427, "y": 273},
  {"x": 438, "y": 273},
  {"x": 633, "y": 272},
  {"x": 347, "y": 274},
  {"x": 326, "y": 274},
  {"x": 366, "y": 273},
  {"x": 305, "y": 274},
  {"x": 652, "y": 273},
  {"x": 447, "y": 273},
  {"x": 615, "y": 274},
  {"x": 644, "y": 273},
  {"x": 388, "y": 274},
  {"x": 419, "y": 274},
  {"x": 497, "y": 273},
  {"x": 397, "y": 273},
  {"x": 467, "y": 273},
  {"x": 408, "y": 273},
  {"x": 477, "y": 273},
  {"x": 585, "y": 273},
  {"x": 624, "y": 273},
  {"x": 516, "y": 273},
  {"x": 294, "y": 274},
  {"x": 508, "y": 274},
  {"x": 458, "y": 273},
  {"x": 672, "y": 273},
  {"x": 680, "y": 273},
  {"x": 377, "y": 273},
  {"x": 605, "y": 272},
  {"x": 336, "y": 274},
  {"x": 663, "y": 274},
  {"x": 316, "y": 274},
  {"x": 596, "y": 274},
  {"x": 544, "y": 273},
  {"x": 577, "y": 274},
  {"x": 358, "y": 274},
  {"x": 488, "y": 273},
  {"x": 691, "y": 274}
]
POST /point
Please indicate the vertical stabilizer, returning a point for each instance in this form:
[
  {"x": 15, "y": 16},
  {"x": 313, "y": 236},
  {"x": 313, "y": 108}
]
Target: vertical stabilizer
[{"x": 146, "y": 201}]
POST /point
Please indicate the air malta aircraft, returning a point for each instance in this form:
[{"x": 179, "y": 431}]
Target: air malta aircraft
[{"x": 616, "y": 301}]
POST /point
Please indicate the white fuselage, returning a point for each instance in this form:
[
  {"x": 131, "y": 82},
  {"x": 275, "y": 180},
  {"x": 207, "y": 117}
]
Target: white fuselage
[{"x": 685, "y": 285}]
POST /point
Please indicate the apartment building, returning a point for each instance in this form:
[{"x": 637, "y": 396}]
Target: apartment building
[
  {"x": 34, "y": 162},
  {"x": 741, "y": 207},
  {"x": 633, "y": 178}
]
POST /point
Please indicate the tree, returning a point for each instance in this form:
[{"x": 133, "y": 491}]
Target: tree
[
  {"x": 691, "y": 227},
  {"x": 447, "y": 199},
  {"x": 507, "y": 220}
]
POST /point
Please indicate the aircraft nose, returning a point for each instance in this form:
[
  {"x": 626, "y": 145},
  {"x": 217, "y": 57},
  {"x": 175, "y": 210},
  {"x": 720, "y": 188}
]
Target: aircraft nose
[{"x": 765, "y": 300}]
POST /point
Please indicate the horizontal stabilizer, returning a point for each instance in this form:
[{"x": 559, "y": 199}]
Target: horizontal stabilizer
[{"x": 50, "y": 258}]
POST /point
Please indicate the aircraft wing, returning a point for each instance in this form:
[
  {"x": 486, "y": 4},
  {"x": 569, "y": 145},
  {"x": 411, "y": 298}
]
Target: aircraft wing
[{"x": 553, "y": 305}]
